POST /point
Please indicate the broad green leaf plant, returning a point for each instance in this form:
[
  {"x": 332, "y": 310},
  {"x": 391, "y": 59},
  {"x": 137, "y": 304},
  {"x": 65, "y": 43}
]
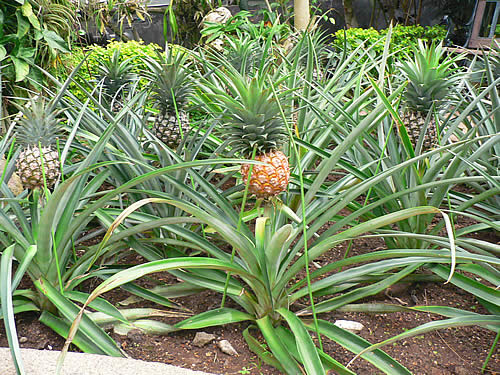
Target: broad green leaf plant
[{"x": 33, "y": 32}]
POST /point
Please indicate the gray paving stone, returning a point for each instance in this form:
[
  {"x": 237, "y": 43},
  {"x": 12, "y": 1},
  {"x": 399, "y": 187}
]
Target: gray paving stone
[{"x": 43, "y": 362}]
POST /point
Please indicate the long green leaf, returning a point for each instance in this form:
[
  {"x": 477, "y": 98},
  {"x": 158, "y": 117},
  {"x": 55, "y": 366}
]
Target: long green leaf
[
  {"x": 24, "y": 307},
  {"x": 148, "y": 326},
  {"x": 350, "y": 233},
  {"x": 141, "y": 270},
  {"x": 24, "y": 264},
  {"x": 149, "y": 295},
  {"x": 479, "y": 290},
  {"x": 329, "y": 363},
  {"x": 132, "y": 315},
  {"x": 182, "y": 289},
  {"x": 361, "y": 292},
  {"x": 217, "y": 317},
  {"x": 61, "y": 327},
  {"x": 69, "y": 310},
  {"x": 468, "y": 320},
  {"x": 307, "y": 350},
  {"x": 274, "y": 250},
  {"x": 278, "y": 349},
  {"x": 260, "y": 350},
  {"x": 356, "y": 344},
  {"x": 7, "y": 308},
  {"x": 98, "y": 304},
  {"x": 379, "y": 267},
  {"x": 384, "y": 308}
]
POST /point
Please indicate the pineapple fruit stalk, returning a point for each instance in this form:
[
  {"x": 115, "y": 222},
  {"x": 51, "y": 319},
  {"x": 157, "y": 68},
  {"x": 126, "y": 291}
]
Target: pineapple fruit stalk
[
  {"x": 171, "y": 87},
  {"x": 253, "y": 123},
  {"x": 37, "y": 132},
  {"x": 430, "y": 78}
]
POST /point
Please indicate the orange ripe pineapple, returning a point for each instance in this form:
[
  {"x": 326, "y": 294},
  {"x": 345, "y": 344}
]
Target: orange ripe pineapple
[
  {"x": 267, "y": 180},
  {"x": 254, "y": 122}
]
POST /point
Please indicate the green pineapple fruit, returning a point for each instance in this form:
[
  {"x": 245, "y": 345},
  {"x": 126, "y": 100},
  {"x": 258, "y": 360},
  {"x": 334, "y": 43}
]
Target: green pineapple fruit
[
  {"x": 115, "y": 76},
  {"x": 430, "y": 79},
  {"x": 253, "y": 121},
  {"x": 37, "y": 132},
  {"x": 172, "y": 86}
]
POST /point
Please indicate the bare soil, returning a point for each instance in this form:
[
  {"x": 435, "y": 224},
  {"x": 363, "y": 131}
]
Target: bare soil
[{"x": 457, "y": 351}]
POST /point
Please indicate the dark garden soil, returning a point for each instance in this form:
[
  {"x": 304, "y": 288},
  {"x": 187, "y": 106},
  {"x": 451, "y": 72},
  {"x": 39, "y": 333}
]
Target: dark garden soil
[{"x": 457, "y": 351}]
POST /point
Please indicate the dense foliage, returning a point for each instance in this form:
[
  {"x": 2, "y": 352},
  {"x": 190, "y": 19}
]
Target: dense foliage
[
  {"x": 401, "y": 37},
  {"x": 34, "y": 33},
  {"x": 333, "y": 124}
]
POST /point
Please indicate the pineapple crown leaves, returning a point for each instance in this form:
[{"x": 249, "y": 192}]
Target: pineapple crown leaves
[
  {"x": 116, "y": 74},
  {"x": 171, "y": 79},
  {"x": 245, "y": 54},
  {"x": 40, "y": 123},
  {"x": 431, "y": 76},
  {"x": 253, "y": 119}
]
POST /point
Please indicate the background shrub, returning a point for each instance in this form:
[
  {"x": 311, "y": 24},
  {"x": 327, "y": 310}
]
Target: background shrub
[
  {"x": 89, "y": 71},
  {"x": 402, "y": 37}
]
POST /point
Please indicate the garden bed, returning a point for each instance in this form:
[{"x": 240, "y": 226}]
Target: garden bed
[
  {"x": 376, "y": 170},
  {"x": 443, "y": 352}
]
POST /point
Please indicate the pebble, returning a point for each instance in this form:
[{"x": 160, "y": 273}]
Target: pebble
[
  {"x": 23, "y": 340},
  {"x": 226, "y": 347},
  {"x": 202, "y": 339},
  {"x": 349, "y": 325},
  {"x": 41, "y": 344}
]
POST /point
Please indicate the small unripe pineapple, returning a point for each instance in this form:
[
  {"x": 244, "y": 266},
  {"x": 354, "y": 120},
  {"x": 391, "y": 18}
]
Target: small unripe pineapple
[
  {"x": 171, "y": 130},
  {"x": 431, "y": 77},
  {"x": 37, "y": 132},
  {"x": 171, "y": 87}
]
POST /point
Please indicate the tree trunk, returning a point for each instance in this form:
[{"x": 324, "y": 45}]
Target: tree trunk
[
  {"x": 301, "y": 14},
  {"x": 350, "y": 18},
  {"x": 419, "y": 12}
]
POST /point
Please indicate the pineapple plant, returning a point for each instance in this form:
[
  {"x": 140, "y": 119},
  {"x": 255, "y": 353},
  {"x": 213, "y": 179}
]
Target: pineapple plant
[
  {"x": 245, "y": 54},
  {"x": 171, "y": 87},
  {"x": 115, "y": 77},
  {"x": 308, "y": 51},
  {"x": 253, "y": 123},
  {"x": 37, "y": 132},
  {"x": 430, "y": 78}
]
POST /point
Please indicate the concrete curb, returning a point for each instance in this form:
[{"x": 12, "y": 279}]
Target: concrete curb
[{"x": 43, "y": 362}]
